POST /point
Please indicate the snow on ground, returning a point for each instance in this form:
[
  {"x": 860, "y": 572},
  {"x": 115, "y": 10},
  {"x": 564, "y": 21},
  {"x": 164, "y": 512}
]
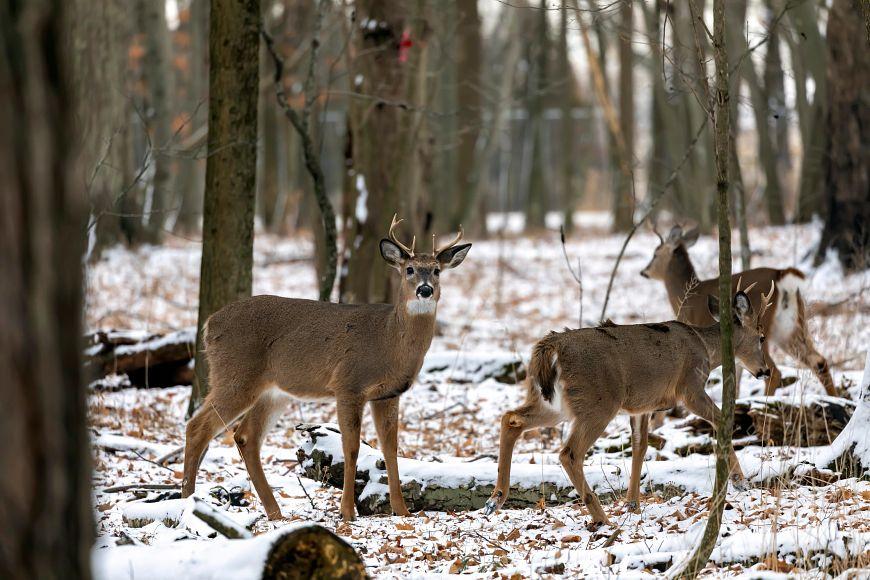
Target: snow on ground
[{"x": 508, "y": 293}]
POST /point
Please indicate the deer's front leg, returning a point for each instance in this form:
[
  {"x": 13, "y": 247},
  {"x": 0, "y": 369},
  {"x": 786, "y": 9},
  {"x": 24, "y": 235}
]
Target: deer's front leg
[
  {"x": 386, "y": 416},
  {"x": 349, "y": 419}
]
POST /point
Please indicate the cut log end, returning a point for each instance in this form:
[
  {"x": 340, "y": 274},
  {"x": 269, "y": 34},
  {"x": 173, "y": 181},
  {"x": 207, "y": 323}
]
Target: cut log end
[{"x": 312, "y": 552}]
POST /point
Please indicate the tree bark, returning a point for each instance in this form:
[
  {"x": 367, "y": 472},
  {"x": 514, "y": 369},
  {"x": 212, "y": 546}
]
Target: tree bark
[
  {"x": 45, "y": 472},
  {"x": 537, "y": 85},
  {"x": 469, "y": 59},
  {"x": 722, "y": 148},
  {"x": 847, "y": 179},
  {"x": 231, "y": 169},
  {"x": 378, "y": 126}
]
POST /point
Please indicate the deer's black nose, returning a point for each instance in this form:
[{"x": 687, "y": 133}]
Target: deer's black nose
[{"x": 425, "y": 291}]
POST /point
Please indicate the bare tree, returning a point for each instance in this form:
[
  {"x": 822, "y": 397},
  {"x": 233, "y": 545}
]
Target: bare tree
[
  {"x": 45, "y": 473},
  {"x": 230, "y": 179},
  {"x": 623, "y": 196}
]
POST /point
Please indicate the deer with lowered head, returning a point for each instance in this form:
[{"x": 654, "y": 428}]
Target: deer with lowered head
[
  {"x": 785, "y": 322},
  {"x": 264, "y": 350},
  {"x": 587, "y": 376}
]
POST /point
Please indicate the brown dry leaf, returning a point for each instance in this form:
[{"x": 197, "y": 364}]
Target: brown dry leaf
[
  {"x": 104, "y": 507},
  {"x": 512, "y": 535},
  {"x": 571, "y": 538},
  {"x": 558, "y": 524},
  {"x": 771, "y": 562},
  {"x": 405, "y": 527},
  {"x": 343, "y": 529}
]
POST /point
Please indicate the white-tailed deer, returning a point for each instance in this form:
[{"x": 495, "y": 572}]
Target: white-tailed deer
[
  {"x": 263, "y": 350},
  {"x": 785, "y": 322},
  {"x": 589, "y": 375}
]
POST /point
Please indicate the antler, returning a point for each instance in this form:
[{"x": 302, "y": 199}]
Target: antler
[
  {"x": 392, "y": 234},
  {"x": 765, "y": 300},
  {"x": 436, "y": 250},
  {"x": 654, "y": 226}
]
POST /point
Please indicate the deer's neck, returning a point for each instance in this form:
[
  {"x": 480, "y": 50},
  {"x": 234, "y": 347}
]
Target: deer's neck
[
  {"x": 710, "y": 338},
  {"x": 680, "y": 279},
  {"x": 413, "y": 331}
]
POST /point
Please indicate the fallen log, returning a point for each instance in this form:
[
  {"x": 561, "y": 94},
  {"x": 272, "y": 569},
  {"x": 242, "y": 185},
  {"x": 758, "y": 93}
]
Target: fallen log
[
  {"x": 119, "y": 359},
  {"x": 816, "y": 420},
  {"x": 301, "y": 552},
  {"x": 462, "y": 486}
]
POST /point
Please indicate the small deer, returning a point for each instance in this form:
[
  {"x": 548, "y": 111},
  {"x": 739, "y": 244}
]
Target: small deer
[
  {"x": 263, "y": 350},
  {"x": 589, "y": 375},
  {"x": 785, "y": 322}
]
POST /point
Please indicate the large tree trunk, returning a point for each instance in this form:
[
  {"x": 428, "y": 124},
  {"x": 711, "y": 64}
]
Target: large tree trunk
[
  {"x": 158, "y": 80},
  {"x": 380, "y": 149},
  {"x": 535, "y": 186},
  {"x": 45, "y": 486},
  {"x": 847, "y": 178},
  {"x": 230, "y": 179}
]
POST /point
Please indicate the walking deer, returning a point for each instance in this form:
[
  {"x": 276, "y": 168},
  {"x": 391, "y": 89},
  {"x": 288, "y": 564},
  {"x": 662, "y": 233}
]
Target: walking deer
[
  {"x": 785, "y": 322},
  {"x": 263, "y": 350},
  {"x": 589, "y": 375}
]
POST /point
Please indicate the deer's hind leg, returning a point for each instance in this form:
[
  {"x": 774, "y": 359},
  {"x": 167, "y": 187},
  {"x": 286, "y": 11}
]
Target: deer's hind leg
[
  {"x": 588, "y": 426},
  {"x": 249, "y": 438},
  {"x": 703, "y": 406},
  {"x": 218, "y": 411},
  {"x": 530, "y": 415},
  {"x": 802, "y": 348},
  {"x": 639, "y": 442}
]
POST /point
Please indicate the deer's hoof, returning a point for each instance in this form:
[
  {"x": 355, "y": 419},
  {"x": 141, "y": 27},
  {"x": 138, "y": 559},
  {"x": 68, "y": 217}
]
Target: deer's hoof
[
  {"x": 490, "y": 506},
  {"x": 402, "y": 513},
  {"x": 595, "y": 525},
  {"x": 633, "y": 506},
  {"x": 275, "y": 516},
  {"x": 740, "y": 484}
]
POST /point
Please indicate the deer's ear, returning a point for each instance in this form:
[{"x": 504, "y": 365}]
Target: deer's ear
[
  {"x": 742, "y": 308},
  {"x": 690, "y": 237},
  {"x": 393, "y": 254},
  {"x": 713, "y": 306},
  {"x": 675, "y": 234},
  {"x": 452, "y": 257}
]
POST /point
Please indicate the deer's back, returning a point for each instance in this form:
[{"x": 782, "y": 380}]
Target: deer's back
[{"x": 694, "y": 309}]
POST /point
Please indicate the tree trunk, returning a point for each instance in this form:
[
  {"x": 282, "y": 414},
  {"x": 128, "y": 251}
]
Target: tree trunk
[
  {"x": 566, "y": 101},
  {"x": 469, "y": 58},
  {"x": 45, "y": 471},
  {"x": 191, "y": 176},
  {"x": 623, "y": 199},
  {"x": 99, "y": 50},
  {"x": 231, "y": 169},
  {"x": 722, "y": 148},
  {"x": 378, "y": 127},
  {"x": 536, "y": 88},
  {"x": 809, "y": 53},
  {"x": 850, "y": 452},
  {"x": 158, "y": 81},
  {"x": 847, "y": 180}
]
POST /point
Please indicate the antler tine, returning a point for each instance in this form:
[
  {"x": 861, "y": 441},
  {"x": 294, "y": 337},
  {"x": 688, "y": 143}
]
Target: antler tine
[
  {"x": 739, "y": 282},
  {"x": 750, "y": 287},
  {"x": 765, "y": 299},
  {"x": 392, "y": 234},
  {"x": 437, "y": 250},
  {"x": 654, "y": 226}
]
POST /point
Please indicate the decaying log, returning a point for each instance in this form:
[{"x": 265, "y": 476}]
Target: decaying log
[
  {"x": 132, "y": 358},
  {"x": 814, "y": 421},
  {"x": 289, "y": 553}
]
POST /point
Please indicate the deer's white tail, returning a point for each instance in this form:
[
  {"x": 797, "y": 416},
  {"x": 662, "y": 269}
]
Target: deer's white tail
[{"x": 789, "y": 305}]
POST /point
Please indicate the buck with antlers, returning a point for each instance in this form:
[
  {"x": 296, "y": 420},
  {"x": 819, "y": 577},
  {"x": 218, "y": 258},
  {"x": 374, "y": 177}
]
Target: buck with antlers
[
  {"x": 785, "y": 323},
  {"x": 589, "y": 375},
  {"x": 263, "y": 350}
]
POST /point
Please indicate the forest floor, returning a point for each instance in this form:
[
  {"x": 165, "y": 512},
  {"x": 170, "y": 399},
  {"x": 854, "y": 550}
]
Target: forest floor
[{"x": 507, "y": 294}]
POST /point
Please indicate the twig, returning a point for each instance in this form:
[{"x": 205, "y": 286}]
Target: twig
[
  {"x": 578, "y": 275},
  {"x": 312, "y": 159},
  {"x": 146, "y": 486},
  {"x": 305, "y": 491}
]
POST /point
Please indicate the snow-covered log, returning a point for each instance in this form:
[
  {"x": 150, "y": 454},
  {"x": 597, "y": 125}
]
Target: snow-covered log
[
  {"x": 466, "y": 485},
  {"x": 304, "y": 551},
  {"x": 850, "y": 451},
  {"x": 146, "y": 360},
  {"x": 815, "y": 420}
]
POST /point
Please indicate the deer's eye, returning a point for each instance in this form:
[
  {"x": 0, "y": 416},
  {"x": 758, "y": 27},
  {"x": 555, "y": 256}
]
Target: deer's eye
[
  {"x": 761, "y": 339},
  {"x": 437, "y": 271},
  {"x": 409, "y": 270}
]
